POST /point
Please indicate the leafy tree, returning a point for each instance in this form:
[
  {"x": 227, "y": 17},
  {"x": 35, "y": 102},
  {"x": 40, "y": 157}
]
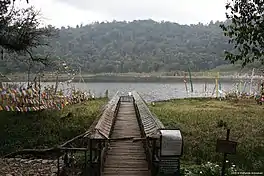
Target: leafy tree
[
  {"x": 142, "y": 46},
  {"x": 245, "y": 30},
  {"x": 21, "y": 34},
  {"x": 137, "y": 46},
  {"x": 20, "y": 29}
]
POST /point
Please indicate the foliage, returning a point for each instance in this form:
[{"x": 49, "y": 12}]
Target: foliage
[
  {"x": 20, "y": 28},
  {"x": 199, "y": 118},
  {"x": 47, "y": 128},
  {"x": 21, "y": 32},
  {"x": 138, "y": 46},
  {"x": 207, "y": 169},
  {"x": 245, "y": 30}
]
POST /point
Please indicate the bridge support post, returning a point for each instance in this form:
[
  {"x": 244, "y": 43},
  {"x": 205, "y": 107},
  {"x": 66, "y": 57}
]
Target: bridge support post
[
  {"x": 85, "y": 160},
  {"x": 154, "y": 162},
  {"x": 99, "y": 144},
  {"x": 91, "y": 169}
]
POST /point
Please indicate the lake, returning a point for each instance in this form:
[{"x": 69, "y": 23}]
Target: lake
[{"x": 149, "y": 91}]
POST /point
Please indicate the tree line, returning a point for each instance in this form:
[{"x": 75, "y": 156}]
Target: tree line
[{"x": 137, "y": 46}]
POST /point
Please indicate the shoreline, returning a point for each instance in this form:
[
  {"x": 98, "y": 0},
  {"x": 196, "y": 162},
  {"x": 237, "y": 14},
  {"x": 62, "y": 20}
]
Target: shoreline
[{"x": 127, "y": 79}]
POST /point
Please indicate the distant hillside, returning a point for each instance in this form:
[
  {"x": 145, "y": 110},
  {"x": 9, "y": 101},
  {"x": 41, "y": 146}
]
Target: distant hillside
[
  {"x": 237, "y": 68},
  {"x": 138, "y": 46}
]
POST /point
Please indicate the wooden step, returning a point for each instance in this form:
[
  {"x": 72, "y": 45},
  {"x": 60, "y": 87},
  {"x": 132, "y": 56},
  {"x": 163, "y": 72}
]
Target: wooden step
[
  {"x": 125, "y": 164},
  {"x": 126, "y": 157}
]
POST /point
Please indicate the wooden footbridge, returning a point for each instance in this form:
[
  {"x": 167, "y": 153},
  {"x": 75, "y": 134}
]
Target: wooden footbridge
[{"x": 127, "y": 140}]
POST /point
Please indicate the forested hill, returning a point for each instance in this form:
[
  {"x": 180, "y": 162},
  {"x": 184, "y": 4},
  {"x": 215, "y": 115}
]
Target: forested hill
[{"x": 140, "y": 46}]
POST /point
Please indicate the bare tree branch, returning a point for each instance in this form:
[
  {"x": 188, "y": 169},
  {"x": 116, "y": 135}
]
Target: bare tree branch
[{"x": 21, "y": 31}]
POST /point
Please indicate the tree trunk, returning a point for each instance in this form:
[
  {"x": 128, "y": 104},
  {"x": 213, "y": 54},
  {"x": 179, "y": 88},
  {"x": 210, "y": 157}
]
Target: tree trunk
[{"x": 28, "y": 75}]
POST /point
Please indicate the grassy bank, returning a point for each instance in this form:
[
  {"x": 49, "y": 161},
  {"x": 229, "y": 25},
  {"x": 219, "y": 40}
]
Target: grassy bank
[
  {"x": 199, "y": 120},
  {"x": 47, "y": 128}
]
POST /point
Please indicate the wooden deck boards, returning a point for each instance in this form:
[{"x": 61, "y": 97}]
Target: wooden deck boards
[{"x": 126, "y": 158}]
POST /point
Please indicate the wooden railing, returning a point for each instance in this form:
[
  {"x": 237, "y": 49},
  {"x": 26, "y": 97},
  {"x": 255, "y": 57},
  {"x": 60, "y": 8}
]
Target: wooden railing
[
  {"x": 98, "y": 137},
  {"x": 149, "y": 127}
]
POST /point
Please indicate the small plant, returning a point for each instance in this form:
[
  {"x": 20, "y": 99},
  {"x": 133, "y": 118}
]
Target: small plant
[
  {"x": 208, "y": 169},
  {"x": 221, "y": 124}
]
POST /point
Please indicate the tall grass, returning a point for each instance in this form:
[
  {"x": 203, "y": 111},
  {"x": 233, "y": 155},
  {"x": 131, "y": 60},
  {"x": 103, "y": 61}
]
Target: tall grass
[{"x": 199, "y": 121}]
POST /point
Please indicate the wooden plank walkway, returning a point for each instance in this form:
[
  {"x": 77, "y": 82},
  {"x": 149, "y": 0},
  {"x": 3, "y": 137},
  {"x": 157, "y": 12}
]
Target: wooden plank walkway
[{"x": 126, "y": 158}]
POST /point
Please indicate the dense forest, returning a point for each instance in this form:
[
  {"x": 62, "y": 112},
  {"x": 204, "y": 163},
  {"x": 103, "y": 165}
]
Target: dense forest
[{"x": 138, "y": 46}]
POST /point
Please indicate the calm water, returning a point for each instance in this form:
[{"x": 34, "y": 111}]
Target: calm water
[{"x": 149, "y": 91}]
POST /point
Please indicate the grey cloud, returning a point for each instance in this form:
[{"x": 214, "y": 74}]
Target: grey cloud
[{"x": 173, "y": 10}]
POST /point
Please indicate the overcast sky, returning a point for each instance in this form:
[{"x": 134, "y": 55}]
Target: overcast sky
[{"x": 73, "y": 12}]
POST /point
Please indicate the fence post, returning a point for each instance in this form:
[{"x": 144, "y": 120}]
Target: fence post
[
  {"x": 58, "y": 165},
  {"x": 85, "y": 160},
  {"x": 225, "y": 154}
]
